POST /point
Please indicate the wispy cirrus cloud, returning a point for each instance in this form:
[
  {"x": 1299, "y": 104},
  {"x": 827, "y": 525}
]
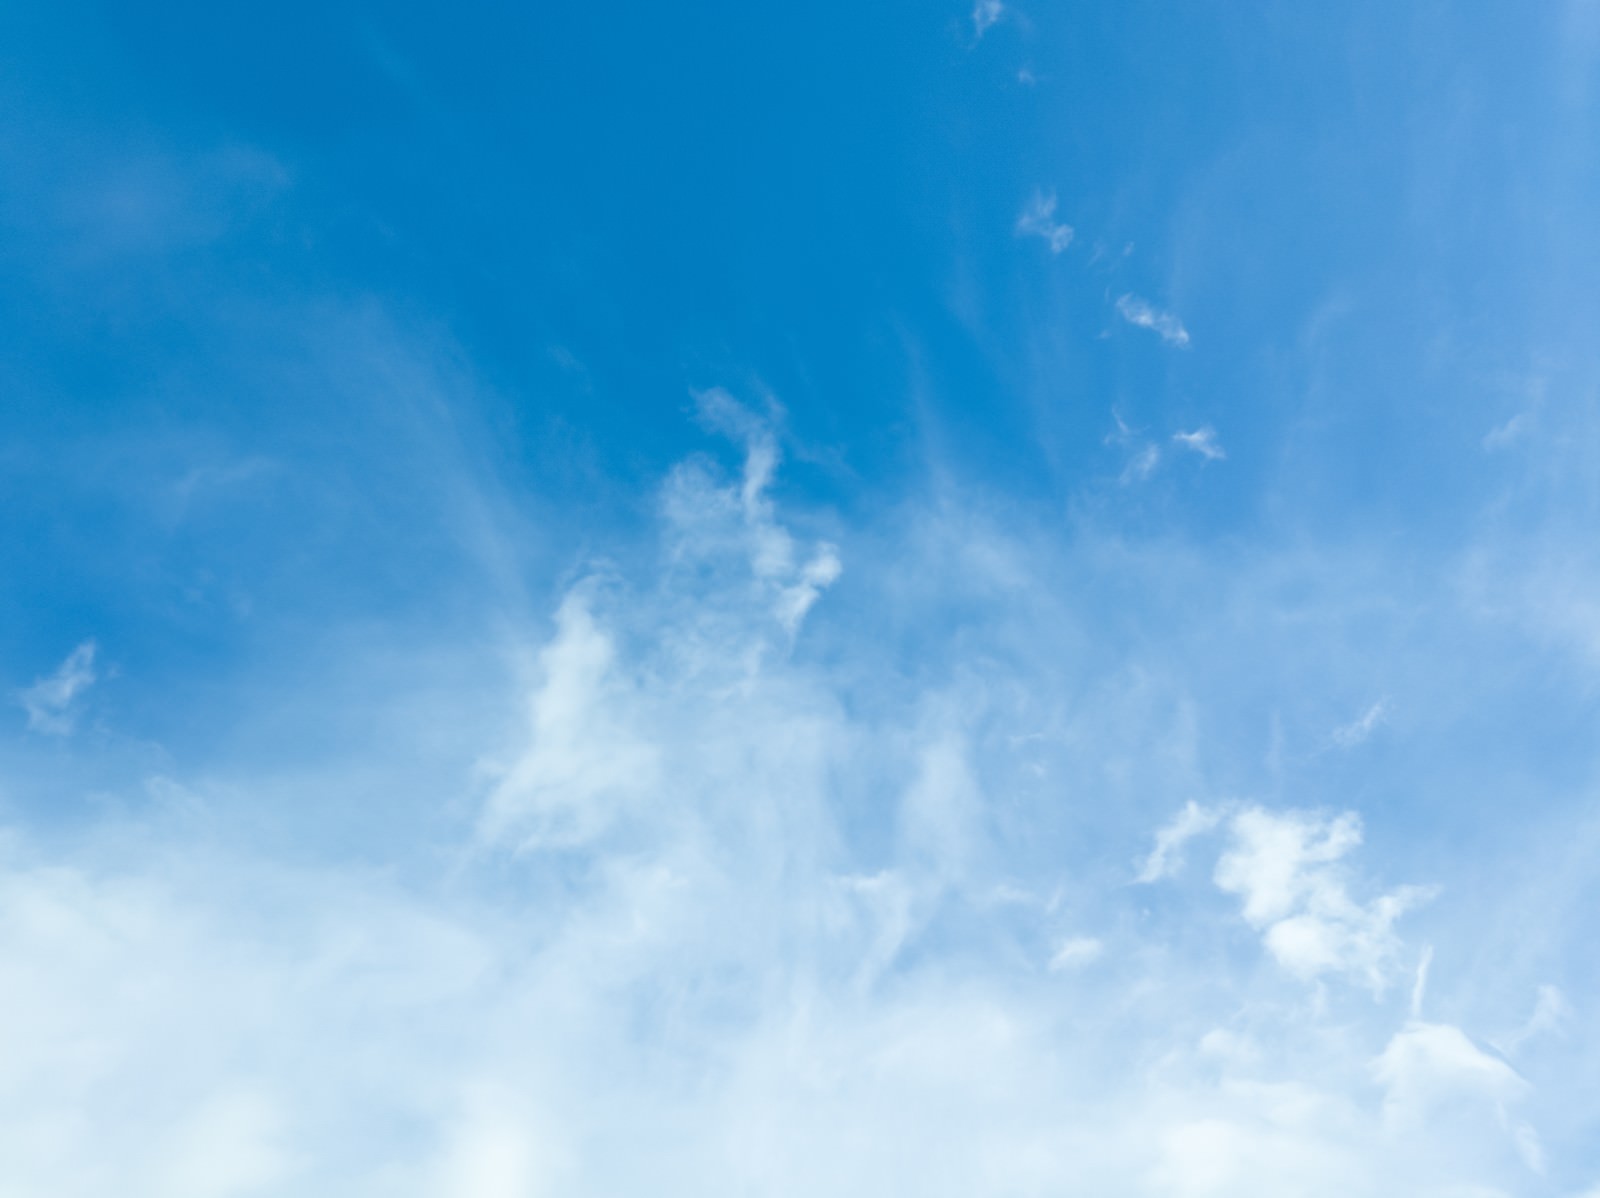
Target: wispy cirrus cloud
[
  {"x": 1144, "y": 315},
  {"x": 1202, "y": 441},
  {"x": 506, "y": 805},
  {"x": 729, "y": 876},
  {"x": 1076, "y": 952},
  {"x": 1038, "y": 219},
  {"x": 1358, "y": 730},
  {"x": 1165, "y": 858},
  {"x": 985, "y": 15},
  {"x": 52, "y": 702}
]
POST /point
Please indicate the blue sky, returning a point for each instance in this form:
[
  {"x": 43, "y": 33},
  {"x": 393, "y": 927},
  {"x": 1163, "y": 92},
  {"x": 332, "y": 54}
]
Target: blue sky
[{"x": 731, "y": 599}]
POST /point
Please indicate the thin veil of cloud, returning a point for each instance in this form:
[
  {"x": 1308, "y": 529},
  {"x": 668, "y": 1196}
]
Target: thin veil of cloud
[
  {"x": 1348, "y": 736},
  {"x": 1144, "y": 315},
  {"x": 52, "y": 702},
  {"x": 986, "y": 15},
  {"x": 723, "y": 913},
  {"x": 1202, "y": 441},
  {"x": 437, "y": 768},
  {"x": 1038, "y": 219}
]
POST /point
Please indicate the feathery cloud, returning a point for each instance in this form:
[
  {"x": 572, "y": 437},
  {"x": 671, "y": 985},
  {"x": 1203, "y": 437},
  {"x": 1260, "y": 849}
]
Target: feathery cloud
[
  {"x": 1140, "y": 313},
  {"x": 52, "y": 701},
  {"x": 1076, "y": 952},
  {"x": 1038, "y": 219},
  {"x": 1348, "y": 736},
  {"x": 1202, "y": 441},
  {"x": 1166, "y": 858},
  {"x": 734, "y": 884}
]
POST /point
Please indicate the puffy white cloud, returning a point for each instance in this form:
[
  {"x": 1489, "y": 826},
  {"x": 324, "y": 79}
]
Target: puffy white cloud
[
  {"x": 1430, "y": 1065},
  {"x": 1271, "y": 862},
  {"x": 1284, "y": 868}
]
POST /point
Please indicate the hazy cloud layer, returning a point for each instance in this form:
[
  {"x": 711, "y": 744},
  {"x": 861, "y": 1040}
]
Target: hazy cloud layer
[{"x": 750, "y": 928}]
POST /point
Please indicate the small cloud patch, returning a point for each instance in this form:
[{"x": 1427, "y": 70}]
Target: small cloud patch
[
  {"x": 52, "y": 702},
  {"x": 1038, "y": 219},
  {"x": 1145, "y": 316}
]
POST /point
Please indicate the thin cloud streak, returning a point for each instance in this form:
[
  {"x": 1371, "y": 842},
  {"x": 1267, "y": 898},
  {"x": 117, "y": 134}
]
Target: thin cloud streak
[
  {"x": 1202, "y": 441},
  {"x": 52, "y": 702},
  {"x": 1142, "y": 315}
]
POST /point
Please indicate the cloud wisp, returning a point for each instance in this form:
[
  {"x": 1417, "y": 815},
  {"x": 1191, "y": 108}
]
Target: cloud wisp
[
  {"x": 724, "y": 914},
  {"x": 986, "y": 15},
  {"x": 1144, "y": 315},
  {"x": 1038, "y": 219},
  {"x": 1202, "y": 441},
  {"x": 1358, "y": 730},
  {"x": 52, "y": 702},
  {"x": 1165, "y": 859}
]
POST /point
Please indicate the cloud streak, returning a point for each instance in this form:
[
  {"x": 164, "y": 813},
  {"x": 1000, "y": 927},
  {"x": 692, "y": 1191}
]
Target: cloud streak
[
  {"x": 52, "y": 702},
  {"x": 1202, "y": 441},
  {"x": 1143, "y": 315},
  {"x": 737, "y": 899}
]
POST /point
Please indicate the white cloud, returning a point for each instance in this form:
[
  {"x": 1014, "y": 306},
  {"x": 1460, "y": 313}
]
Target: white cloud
[
  {"x": 1428, "y": 1065},
  {"x": 713, "y": 518},
  {"x": 585, "y": 763},
  {"x": 1348, "y": 736},
  {"x": 52, "y": 701},
  {"x": 230, "y": 1144},
  {"x": 1230, "y": 1047},
  {"x": 985, "y": 14},
  {"x": 1513, "y": 429},
  {"x": 1202, "y": 441},
  {"x": 1166, "y": 858},
  {"x": 1141, "y": 465},
  {"x": 726, "y": 921},
  {"x": 496, "y": 1145},
  {"x": 1419, "y": 984},
  {"x": 1143, "y": 456},
  {"x": 1076, "y": 952},
  {"x": 1138, "y": 312},
  {"x": 1038, "y": 219},
  {"x": 1284, "y": 866},
  {"x": 941, "y": 811},
  {"x": 1551, "y": 1013},
  {"x": 1272, "y": 860}
]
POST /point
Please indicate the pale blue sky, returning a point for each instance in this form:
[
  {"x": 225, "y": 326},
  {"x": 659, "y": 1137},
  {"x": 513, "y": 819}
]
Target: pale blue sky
[{"x": 730, "y": 599}]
